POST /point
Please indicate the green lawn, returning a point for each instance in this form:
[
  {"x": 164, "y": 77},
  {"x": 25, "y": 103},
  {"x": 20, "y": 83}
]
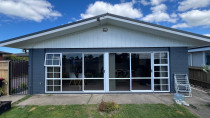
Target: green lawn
[{"x": 85, "y": 111}]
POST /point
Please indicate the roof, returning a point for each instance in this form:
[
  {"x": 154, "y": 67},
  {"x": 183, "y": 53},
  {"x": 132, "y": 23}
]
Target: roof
[
  {"x": 177, "y": 32},
  {"x": 1, "y": 52}
]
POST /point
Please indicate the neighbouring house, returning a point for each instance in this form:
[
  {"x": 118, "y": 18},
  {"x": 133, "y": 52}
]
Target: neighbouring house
[
  {"x": 3, "y": 53},
  {"x": 21, "y": 54},
  {"x": 106, "y": 54},
  {"x": 198, "y": 56}
]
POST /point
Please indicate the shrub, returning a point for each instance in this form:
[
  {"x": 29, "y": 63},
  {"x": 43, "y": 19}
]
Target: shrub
[{"x": 108, "y": 106}]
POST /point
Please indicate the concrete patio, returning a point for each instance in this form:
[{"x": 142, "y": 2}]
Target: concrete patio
[{"x": 68, "y": 99}]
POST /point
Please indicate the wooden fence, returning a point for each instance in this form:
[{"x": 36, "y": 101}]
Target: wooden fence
[
  {"x": 198, "y": 77},
  {"x": 4, "y": 73}
]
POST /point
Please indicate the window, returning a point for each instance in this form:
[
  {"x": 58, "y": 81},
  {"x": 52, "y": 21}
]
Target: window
[
  {"x": 208, "y": 58},
  {"x": 161, "y": 75},
  {"x": 72, "y": 65},
  {"x": 53, "y": 85},
  {"x": 53, "y": 72},
  {"x": 53, "y": 59}
]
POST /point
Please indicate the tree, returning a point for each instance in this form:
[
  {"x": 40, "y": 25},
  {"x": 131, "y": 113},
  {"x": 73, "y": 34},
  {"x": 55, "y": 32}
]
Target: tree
[{"x": 206, "y": 68}]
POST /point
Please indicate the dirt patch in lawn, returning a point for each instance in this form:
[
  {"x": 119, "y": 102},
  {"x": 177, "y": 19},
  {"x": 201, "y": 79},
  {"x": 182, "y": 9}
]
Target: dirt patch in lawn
[{"x": 33, "y": 108}]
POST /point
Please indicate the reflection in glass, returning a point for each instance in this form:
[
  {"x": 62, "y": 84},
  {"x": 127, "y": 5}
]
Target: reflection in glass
[
  {"x": 94, "y": 65},
  {"x": 72, "y": 85},
  {"x": 119, "y": 65},
  {"x": 119, "y": 84},
  {"x": 141, "y": 65},
  {"x": 72, "y": 65},
  {"x": 141, "y": 84},
  {"x": 94, "y": 84}
]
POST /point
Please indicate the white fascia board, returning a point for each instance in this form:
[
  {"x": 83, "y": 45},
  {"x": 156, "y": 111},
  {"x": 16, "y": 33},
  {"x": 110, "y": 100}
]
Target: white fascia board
[
  {"x": 199, "y": 49},
  {"x": 48, "y": 32},
  {"x": 160, "y": 29}
]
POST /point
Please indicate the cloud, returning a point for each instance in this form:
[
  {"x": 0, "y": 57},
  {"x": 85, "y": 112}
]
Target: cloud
[
  {"x": 144, "y": 2},
  {"x": 193, "y": 4},
  {"x": 196, "y": 17},
  {"x": 35, "y": 10},
  {"x": 123, "y": 9},
  {"x": 159, "y": 15},
  {"x": 181, "y": 25},
  {"x": 207, "y": 35},
  {"x": 157, "y": 2}
]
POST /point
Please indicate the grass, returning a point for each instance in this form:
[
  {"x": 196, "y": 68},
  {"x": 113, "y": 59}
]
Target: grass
[{"x": 91, "y": 111}]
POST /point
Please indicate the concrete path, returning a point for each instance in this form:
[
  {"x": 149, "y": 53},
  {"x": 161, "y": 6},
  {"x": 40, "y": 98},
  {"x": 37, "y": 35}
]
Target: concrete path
[
  {"x": 12, "y": 98},
  {"x": 200, "y": 103},
  {"x": 68, "y": 99}
]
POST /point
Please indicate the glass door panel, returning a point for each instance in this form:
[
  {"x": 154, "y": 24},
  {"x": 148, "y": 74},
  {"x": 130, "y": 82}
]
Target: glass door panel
[
  {"x": 93, "y": 72},
  {"x": 119, "y": 72},
  {"x": 141, "y": 71}
]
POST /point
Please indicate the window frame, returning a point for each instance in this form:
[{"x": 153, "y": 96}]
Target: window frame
[{"x": 60, "y": 60}]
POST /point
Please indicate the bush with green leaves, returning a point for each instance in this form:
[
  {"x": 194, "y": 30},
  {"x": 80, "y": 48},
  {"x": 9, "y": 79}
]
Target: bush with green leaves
[{"x": 206, "y": 68}]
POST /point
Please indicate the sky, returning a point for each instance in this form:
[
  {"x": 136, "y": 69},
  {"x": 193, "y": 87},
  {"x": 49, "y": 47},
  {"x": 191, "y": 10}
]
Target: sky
[{"x": 20, "y": 17}]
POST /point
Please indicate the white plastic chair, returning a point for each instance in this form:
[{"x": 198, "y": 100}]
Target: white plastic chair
[{"x": 182, "y": 84}]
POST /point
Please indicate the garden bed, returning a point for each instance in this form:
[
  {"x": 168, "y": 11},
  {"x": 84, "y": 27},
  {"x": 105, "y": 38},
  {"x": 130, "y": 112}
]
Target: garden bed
[{"x": 4, "y": 106}]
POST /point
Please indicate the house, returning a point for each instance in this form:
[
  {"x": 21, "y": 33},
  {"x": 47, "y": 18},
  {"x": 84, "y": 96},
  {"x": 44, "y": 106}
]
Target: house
[
  {"x": 106, "y": 54},
  {"x": 199, "y": 56},
  {"x": 3, "y": 53}
]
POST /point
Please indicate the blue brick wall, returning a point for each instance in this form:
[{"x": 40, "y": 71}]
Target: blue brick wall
[{"x": 177, "y": 55}]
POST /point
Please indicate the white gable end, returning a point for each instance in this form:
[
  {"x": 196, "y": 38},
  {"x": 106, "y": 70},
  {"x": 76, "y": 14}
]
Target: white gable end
[{"x": 115, "y": 37}]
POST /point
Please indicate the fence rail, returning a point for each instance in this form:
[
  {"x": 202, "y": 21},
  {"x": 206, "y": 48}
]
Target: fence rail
[{"x": 198, "y": 77}]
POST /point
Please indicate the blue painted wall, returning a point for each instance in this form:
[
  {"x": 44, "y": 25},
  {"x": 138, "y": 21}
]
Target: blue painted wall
[{"x": 178, "y": 63}]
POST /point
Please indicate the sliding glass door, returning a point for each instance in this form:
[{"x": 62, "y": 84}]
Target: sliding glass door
[
  {"x": 93, "y": 72},
  {"x": 141, "y": 77}
]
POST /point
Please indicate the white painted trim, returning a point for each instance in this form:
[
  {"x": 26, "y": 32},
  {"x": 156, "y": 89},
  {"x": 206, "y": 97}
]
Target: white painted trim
[{"x": 199, "y": 49}]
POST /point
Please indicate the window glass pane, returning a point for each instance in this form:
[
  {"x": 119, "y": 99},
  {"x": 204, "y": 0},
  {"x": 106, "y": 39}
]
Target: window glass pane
[
  {"x": 119, "y": 84},
  {"x": 141, "y": 84},
  {"x": 157, "y": 55},
  {"x": 157, "y": 61},
  {"x": 163, "y": 55},
  {"x": 49, "y": 88},
  {"x": 164, "y": 61},
  {"x": 161, "y": 81},
  {"x": 56, "y": 62},
  {"x": 56, "y": 56},
  {"x": 57, "y": 82},
  {"x": 72, "y": 65},
  {"x": 57, "y": 88},
  {"x": 157, "y": 68},
  {"x": 207, "y": 58},
  {"x": 119, "y": 65},
  {"x": 141, "y": 65},
  {"x": 49, "y": 75},
  {"x": 49, "y": 56},
  {"x": 94, "y": 65},
  {"x": 49, "y": 82},
  {"x": 49, "y": 69},
  {"x": 56, "y": 69},
  {"x": 48, "y": 62},
  {"x": 56, "y": 75},
  {"x": 161, "y": 87},
  {"x": 94, "y": 84},
  {"x": 72, "y": 85},
  {"x": 161, "y": 74},
  {"x": 164, "y": 68}
]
